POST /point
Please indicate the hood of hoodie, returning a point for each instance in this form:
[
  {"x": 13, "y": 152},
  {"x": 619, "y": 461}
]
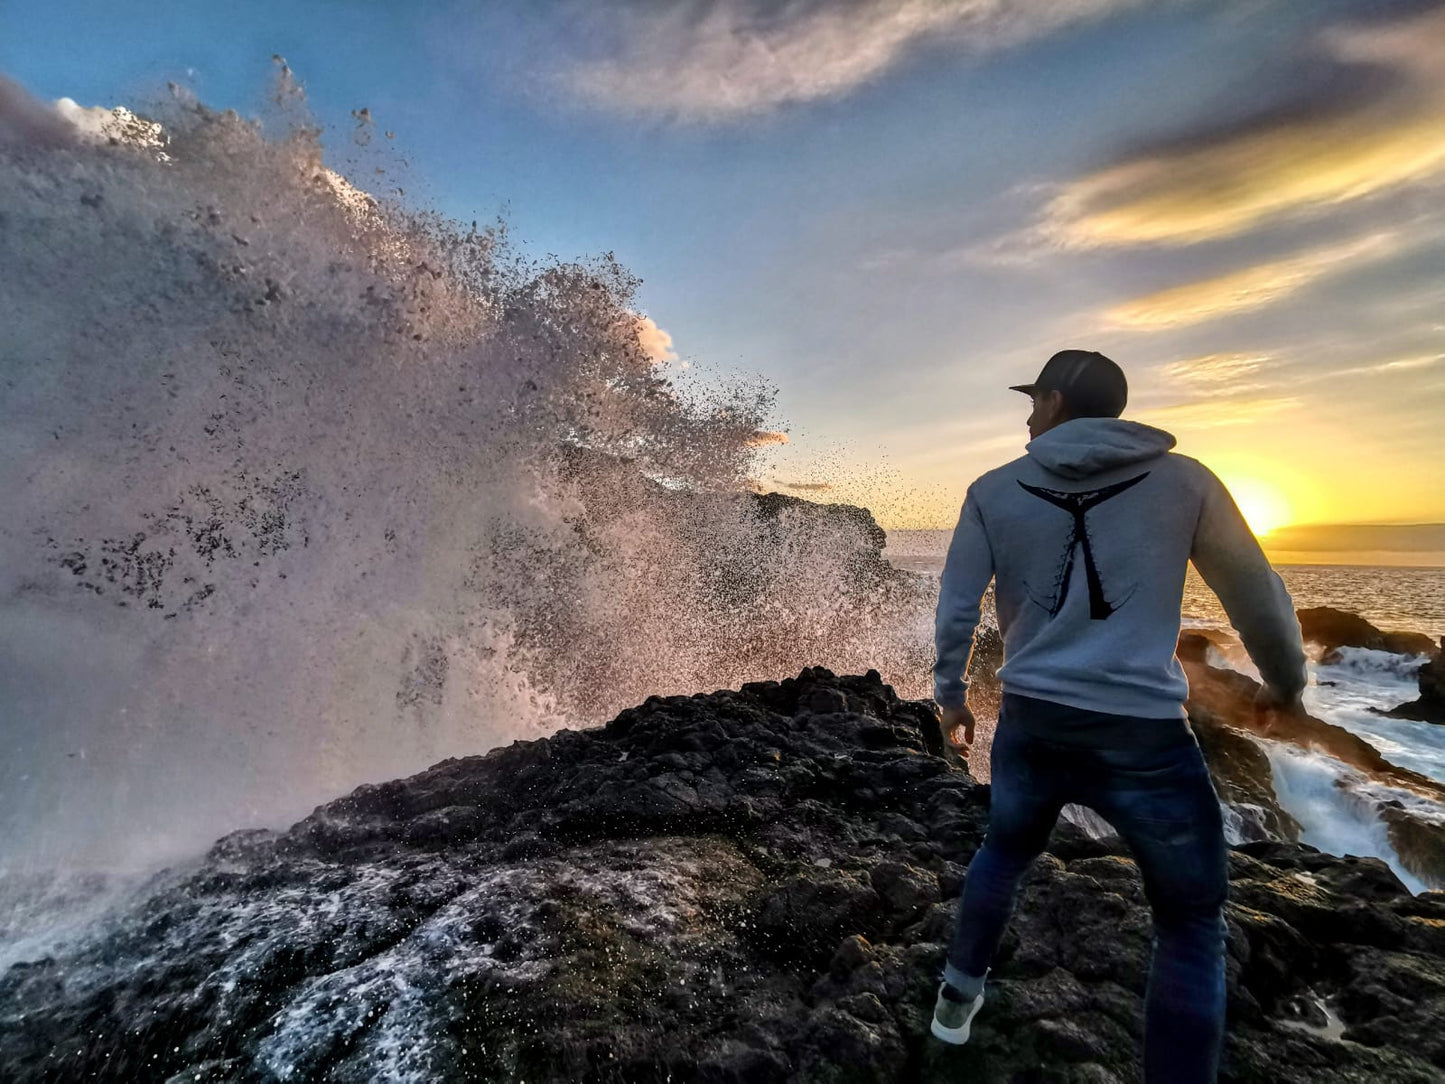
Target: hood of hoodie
[{"x": 1084, "y": 446}]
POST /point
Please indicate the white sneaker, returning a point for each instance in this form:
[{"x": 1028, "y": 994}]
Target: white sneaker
[{"x": 952, "y": 1019}]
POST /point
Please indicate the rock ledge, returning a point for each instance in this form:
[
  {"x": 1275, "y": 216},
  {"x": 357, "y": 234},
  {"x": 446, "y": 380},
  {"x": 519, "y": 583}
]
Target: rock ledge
[{"x": 750, "y": 885}]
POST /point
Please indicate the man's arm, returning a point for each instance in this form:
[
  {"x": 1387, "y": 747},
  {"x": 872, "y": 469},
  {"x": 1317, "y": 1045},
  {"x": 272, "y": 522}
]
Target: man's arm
[
  {"x": 1229, "y": 557},
  {"x": 966, "y": 575}
]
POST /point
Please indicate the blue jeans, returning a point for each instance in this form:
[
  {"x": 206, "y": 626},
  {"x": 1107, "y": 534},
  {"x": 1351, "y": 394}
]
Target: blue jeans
[{"x": 1161, "y": 802}]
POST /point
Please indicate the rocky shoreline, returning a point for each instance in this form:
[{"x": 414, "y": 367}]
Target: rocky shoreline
[
  {"x": 1334, "y": 629},
  {"x": 748, "y": 885},
  {"x": 1429, "y": 707}
]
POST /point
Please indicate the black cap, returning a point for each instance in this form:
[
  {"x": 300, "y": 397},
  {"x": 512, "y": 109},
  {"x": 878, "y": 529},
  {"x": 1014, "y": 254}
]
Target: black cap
[{"x": 1091, "y": 384}]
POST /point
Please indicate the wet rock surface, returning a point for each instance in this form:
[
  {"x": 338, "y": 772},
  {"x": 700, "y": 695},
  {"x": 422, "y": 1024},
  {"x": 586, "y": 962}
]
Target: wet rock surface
[
  {"x": 1429, "y": 707},
  {"x": 752, "y": 885},
  {"x": 1332, "y": 629}
]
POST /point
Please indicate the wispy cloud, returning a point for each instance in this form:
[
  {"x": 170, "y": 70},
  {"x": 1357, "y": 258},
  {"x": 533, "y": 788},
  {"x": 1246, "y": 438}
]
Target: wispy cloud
[
  {"x": 1231, "y": 385},
  {"x": 1250, "y": 287},
  {"x": 1213, "y": 413},
  {"x": 1003, "y": 442},
  {"x": 1397, "y": 365},
  {"x": 719, "y": 60},
  {"x": 1306, "y": 158},
  {"x": 1213, "y": 373}
]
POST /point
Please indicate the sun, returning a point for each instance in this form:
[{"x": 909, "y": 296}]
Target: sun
[{"x": 1263, "y": 506}]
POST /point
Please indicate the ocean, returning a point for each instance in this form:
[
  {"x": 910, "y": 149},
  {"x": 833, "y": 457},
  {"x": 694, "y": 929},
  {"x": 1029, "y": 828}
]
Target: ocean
[{"x": 1393, "y": 597}]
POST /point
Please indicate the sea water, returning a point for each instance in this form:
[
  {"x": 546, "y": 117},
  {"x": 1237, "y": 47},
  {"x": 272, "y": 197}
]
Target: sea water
[{"x": 1392, "y": 597}]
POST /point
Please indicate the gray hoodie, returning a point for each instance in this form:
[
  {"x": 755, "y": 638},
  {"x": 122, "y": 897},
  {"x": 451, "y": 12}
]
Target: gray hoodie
[{"x": 1087, "y": 538}]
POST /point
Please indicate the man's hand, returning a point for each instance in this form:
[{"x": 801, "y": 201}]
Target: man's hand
[
  {"x": 957, "y": 727},
  {"x": 1270, "y": 703}
]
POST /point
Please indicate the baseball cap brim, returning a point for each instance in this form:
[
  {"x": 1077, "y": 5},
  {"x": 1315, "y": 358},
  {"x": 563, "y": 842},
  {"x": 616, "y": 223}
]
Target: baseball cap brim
[{"x": 1027, "y": 389}]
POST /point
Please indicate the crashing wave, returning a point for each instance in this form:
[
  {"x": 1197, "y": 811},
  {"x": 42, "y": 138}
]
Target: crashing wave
[
  {"x": 302, "y": 491},
  {"x": 1365, "y": 664},
  {"x": 1344, "y": 811}
]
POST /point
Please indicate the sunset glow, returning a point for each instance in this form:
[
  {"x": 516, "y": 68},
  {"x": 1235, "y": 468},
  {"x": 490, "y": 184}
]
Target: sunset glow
[{"x": 1264, "y": 507}]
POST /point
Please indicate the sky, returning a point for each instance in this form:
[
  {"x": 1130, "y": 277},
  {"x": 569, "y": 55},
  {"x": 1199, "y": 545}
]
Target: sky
[{"x": 891, "y": 210}]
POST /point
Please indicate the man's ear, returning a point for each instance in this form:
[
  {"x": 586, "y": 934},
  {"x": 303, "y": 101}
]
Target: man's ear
[{"x": 1054, "y": 407}]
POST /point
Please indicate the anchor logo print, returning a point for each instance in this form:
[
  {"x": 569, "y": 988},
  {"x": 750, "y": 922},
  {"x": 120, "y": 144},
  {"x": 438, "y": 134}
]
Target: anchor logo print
[{"x": 1078, "y": 505}]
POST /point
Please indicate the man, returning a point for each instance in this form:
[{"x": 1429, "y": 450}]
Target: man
[{"x": 1087, "y": 538}]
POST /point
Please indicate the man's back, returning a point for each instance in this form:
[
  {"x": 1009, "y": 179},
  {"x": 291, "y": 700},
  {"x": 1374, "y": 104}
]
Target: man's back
[{"x": 1088, "y": 538}]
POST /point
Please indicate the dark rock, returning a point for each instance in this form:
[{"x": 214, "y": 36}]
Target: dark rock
[
  {"x": 820, "y": 700},
  {"x": 802, "y": 918},
  {"x": 1420, "y": 844},
  {"x": 734, "y": 887},
  {"x": 1242, "y": 776},
  {"x": 836, "y": 1045},
  {"x": 1331, "y": 629},
  {"x": 736, "y": 1063},
  {"x": 1430, "y": 707},
  {"x": 1194, "y": 644},
  {"x": 1393, "y": 998},
  {"x": 853, "y": 952},
  {"x": 906, "y": 892},
  {"x": 855, "y": 519}
]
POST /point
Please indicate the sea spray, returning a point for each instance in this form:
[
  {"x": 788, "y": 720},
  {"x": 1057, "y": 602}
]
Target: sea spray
[{"x": 302, "y": 489}]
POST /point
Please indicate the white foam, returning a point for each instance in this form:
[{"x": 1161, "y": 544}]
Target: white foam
[
  {"x": 1367, "y": 665},
  {"x": 1093, "y": 825},
  {"x": 1345, "y": 694},
  {"x": 1338, "y": 808},
  {"x": 43, "y": 913},
  {"x": 1332, "y": 1029}
]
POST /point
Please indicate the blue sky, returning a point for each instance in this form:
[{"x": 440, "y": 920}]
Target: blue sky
[{"x": 892, "y": 210}]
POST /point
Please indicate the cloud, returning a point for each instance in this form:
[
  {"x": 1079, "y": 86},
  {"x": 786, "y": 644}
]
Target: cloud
[
  {"x": 655, "y": 342},
  {"x": 1358, "y": 537},
  {"x": 1014, "y": 440},
  {"x": 1227, "y": 387},
  {"x": 1214, "y": 373},
  {"x": 1419, "y": 362},
  {"x": 1250, "y": 287},
  {"x": 1377, "y": 123},
  {"x": 1214, "y": 413},
  {"x": 1398, "y": 365},
  {"x": 762, "y": 438},
  {"x": 719, "y": 60}
]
